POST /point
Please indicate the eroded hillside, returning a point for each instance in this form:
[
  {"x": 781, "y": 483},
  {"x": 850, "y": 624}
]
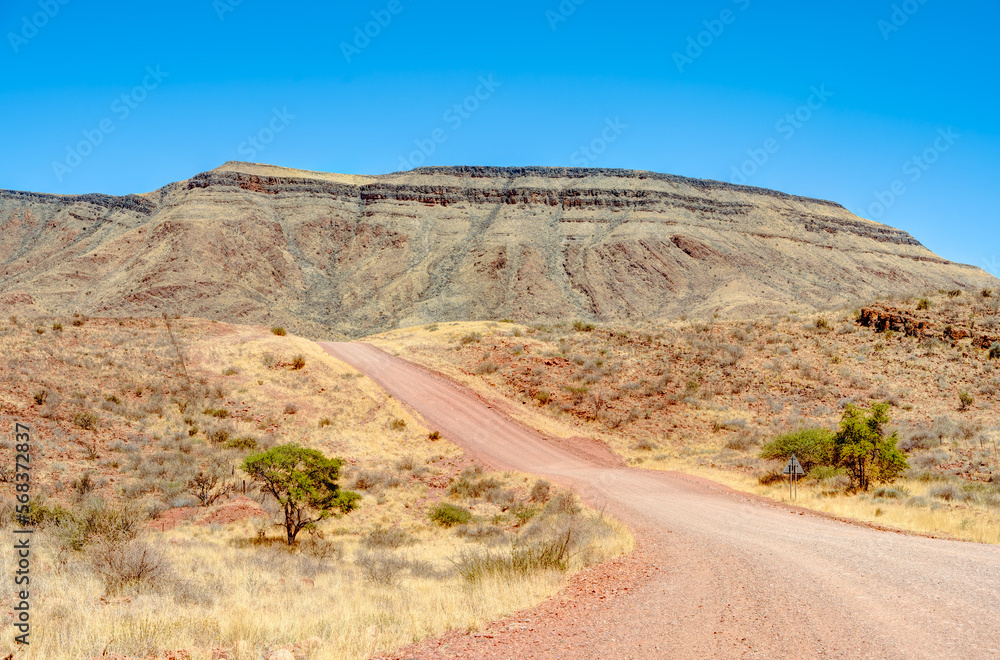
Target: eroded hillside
[{"x": 329, "y": 254}]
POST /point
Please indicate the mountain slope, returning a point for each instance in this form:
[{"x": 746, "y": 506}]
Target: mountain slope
[{"x": 342, "y": 254}]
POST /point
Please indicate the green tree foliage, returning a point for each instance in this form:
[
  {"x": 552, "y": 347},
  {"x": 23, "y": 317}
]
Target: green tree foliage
[
  {"x": 446, "y": 515},
  {"x": 304, "y": 482},
  {"x": 811, "y": 446},
  {"x": 863, "y": 449}
]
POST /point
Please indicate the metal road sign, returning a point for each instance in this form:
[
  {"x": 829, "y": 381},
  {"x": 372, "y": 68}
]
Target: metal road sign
[{"x": 793, "y": 467}]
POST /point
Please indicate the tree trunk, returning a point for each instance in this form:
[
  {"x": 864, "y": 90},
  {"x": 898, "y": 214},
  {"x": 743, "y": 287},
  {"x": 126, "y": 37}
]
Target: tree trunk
[{"x": 290, "y": 530}]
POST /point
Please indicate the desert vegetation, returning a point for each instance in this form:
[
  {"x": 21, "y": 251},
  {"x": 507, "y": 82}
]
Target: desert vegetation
[
  {"x": 713, "y": 397},
  {"x": 177, "y": 500}
]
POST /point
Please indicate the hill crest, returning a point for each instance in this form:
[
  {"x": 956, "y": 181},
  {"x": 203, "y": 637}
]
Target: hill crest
[{"x": 339, "y": 254}]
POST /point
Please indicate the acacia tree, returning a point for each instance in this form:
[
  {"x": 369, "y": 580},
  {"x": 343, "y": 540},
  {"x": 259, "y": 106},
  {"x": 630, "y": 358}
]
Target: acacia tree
[
  {"x": 303, "y": 481},
  {"x": 863, "y": 449}
]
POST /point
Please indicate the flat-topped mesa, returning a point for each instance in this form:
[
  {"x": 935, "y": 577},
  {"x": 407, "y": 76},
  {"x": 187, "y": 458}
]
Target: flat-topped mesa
[
  {"x": 569, "y": 188},
  {"x": 586, "y": 172},
  {"x": 339, "y": 254},
  {"x": 135, "y": 203}
]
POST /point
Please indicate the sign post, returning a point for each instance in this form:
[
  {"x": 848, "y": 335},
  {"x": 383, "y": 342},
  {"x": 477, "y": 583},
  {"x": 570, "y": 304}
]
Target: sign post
[{"x": 794, "y": 470}]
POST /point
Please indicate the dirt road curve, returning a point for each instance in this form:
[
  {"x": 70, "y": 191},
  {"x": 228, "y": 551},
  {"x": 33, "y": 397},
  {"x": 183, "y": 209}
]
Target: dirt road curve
[{"x": 719, "y": 575}]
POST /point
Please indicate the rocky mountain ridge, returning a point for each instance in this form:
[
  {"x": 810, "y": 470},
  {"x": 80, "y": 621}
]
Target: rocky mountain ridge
[{"x": 347, "y": 255}]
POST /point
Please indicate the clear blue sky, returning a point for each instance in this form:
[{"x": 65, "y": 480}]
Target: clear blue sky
[{"x": 122, "y": 97}]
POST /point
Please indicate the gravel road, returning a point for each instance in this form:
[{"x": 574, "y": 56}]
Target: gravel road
[{"x": 717, "y": 574}]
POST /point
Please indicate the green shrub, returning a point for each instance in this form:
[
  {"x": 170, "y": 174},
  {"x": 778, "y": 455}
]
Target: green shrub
[
  {"x": 221, "y": 413},
  {"x": 965, "y": 400},
  {"x": 824, "y": 472},
  {"x": 812, "y": 446},
  {"x": 98, "y": 521},
  {"x": 447, "y": 515},
  {"x": 298, "y": 362},
  {"x": 543, "y": 396},
  {"x": 40, "y": 514},
  {"x": 524, "y": 513},
  {"x": 995, "y": 351},
  {"x": 923, "y": 304},
  {"x": 580, "y": 326},
  {"x": 279, "y": 331},
  {"x": 244, "y": 443}
]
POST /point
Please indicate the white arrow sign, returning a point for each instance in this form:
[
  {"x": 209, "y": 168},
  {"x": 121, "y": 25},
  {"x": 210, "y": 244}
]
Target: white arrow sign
[{"x": 793, "y": 467}]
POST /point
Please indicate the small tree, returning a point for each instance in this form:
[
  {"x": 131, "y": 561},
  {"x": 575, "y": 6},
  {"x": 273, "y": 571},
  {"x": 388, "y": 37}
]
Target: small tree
[
  {"x": 304, "y": 482},
  {"x": 208, "y": 487},
  {"x": 812, "y": 446},
  {"x": 863, "y": 449}
]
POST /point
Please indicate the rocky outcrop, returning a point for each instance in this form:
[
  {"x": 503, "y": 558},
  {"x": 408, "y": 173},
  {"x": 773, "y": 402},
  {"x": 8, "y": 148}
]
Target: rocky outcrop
[
  {"x": 882, "y": 319},
  {"x": 333, "y": 255}
]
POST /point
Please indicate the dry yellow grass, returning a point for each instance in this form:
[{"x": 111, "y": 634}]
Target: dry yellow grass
[
  {"x": 225, "y": 585},
  {"x": 237, "y": 592}
]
